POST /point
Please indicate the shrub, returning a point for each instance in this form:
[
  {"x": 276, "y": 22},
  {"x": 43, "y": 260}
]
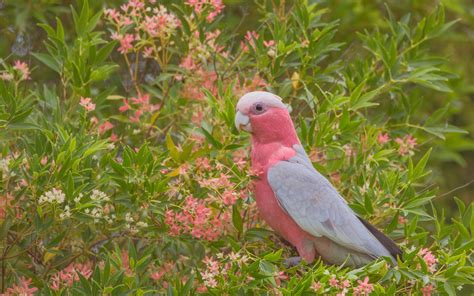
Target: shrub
[{"x": 123, "y": 171}]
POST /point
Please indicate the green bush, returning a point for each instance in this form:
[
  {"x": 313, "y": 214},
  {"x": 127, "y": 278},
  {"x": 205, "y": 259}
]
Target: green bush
[{"x": 122, "y": 171}]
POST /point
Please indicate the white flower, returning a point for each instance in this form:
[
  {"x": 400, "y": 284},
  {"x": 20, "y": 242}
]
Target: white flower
[
  {"x": 128, "y": 217},
  {"x": 4, "y": 165},
  {"x": 78, "y": 198},
  {"x": 66, "y": 213},
  {"x": 234, "y": 256},
  {"x": 98, "y": 195},
  {"x": 54, "y": 195},
  {"x": 142, "y": 224}
]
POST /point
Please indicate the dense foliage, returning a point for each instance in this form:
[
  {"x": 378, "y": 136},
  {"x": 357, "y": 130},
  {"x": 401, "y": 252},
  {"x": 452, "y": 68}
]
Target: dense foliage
[{"x": 122, "y": 171}]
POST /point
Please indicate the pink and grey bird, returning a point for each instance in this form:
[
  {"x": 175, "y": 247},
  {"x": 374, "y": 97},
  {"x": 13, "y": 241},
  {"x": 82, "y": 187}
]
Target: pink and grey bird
[{"x": 295, "y": 199}]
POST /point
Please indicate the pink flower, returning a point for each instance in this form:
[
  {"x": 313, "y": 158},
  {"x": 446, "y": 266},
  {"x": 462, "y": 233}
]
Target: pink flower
[
  {"x": 113, "y": 137},
  {"x": 6, "y": 76},
  {"x": 126, "y": 263},
  {"x": 335, "y": 177},
  {"x": 157, "y": 275},
  {"x": 426, "y": 290},
  {"x": 187, "y": 63},
  {"x": 112, "y": 14},
  {"x": 22, "y": 288},
  {"x": 126, "y": 43},
  {"x": 104, "y": 127},
  {"x": 269, "y": 43},
  {"x": 44, "y": 161},
  {"x": 402, "y": 220},
  {"x": 345, "y": 284},
  {"x": 333, "y": 282},
  {"x": 364, "y": 288},
  {"x": 429, "y": 259},
  {"x": 195, "y": 218},
  {"x": 87, "y": 104},
  {"x": 5, "y": 204},
  {"x": 203, "y": 163},
  {"x": 23, "y": 183},
  {"x": 279, "y": 277},
  {"x": 348, "y": 150},
  {"x": 70, "y": 274},
  {"x": 218, "y": 6},
  {"x": 406, "y": 145},
  {"x": 125, "y": 106},
  {"x": 136, "y": 116},
  {"x": 316, "y": 286},
  {"x": 411, "y": 141},
  {"x": 383, "y": 138},
  {"x": 147, "y": 52},
  {"x": 229, "y": 197},
  {"x": 22, "y": 67}
]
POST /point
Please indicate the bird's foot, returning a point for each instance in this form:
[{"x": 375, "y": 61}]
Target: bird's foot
[{"x": 292, "y": 261}]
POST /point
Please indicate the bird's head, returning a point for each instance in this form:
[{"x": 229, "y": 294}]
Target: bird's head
[{"x": 265, "y": 116}]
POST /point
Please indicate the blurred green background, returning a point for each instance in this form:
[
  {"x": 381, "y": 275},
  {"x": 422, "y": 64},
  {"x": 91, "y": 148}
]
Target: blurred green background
[{"x": 452, "y": 160}]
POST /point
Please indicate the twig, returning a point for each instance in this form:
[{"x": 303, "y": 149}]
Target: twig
[{"x": 457, "y": 188}]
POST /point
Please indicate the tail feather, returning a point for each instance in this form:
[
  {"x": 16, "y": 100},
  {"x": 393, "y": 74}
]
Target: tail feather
[{"x": 389, "y": 244}]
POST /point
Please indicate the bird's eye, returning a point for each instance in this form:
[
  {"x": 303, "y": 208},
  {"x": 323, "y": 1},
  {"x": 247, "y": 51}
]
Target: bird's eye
[{"x": 258, "y": 108}]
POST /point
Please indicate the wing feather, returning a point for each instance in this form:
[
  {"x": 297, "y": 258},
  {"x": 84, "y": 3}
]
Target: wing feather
[{"x": 316, "y": 206}]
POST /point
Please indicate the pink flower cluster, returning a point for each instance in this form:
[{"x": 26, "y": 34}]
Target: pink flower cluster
[
  {"x": 429, "y": 259},
  {"x": 196, "y": 72},
  {"x": 22, "y": 288},
  {"x": 223, "y": 181},
  {"x": 126, "y": 263},
  {"x": 158, "y": 273},
  {"x": 125, "y": 40},
  {"x": 5, "y": 204},
  {"x": 214, "y": 269},
  {"x": 19, "y": 67},
  {"x": 215, "y": 7},
  {"x": 406, "y": 144},
  {"x": 250, "y": 38},
  {"x": 149, "y": 24},
  {"x": 139, "y": 105},
  {"x": 202, "y": 78},
  {"x": 344, "y": 286},
  {"x": 23, "y": 69},
  {"x": 104, "y": 127},
  {"x": 70, "y": 274},
  {"x": 87, "y": 104},
  {"x": 249, "y": 84},
  {"x": 197, "y": 219},
  {"x": 383, "y": 138},
  {"x": 364, "y": 287},
  {"x": 426, "y": 290}
]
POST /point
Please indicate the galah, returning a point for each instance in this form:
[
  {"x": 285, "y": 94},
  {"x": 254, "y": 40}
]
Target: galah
[{"x": 297, "y": 201}]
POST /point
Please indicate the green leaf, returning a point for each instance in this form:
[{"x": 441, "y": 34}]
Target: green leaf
[
  {"x": 211, "y": 139},
  {"x": 48, "y": 61},
  {"x": 418, "y": 172},
  {"x": 237, "y": 219},
  {"x": 172, "y": 149}
]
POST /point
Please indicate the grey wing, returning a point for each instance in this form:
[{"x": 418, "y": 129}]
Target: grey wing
[{"x": 315, "y": 205}]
